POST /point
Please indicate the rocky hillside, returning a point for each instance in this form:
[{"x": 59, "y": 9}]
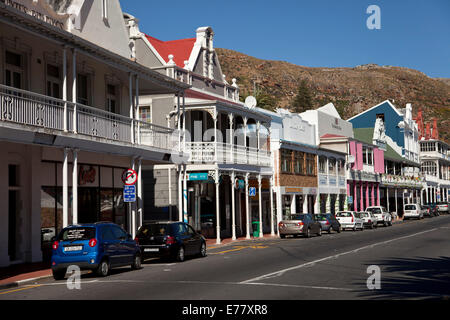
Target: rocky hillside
[{"x": 352, "y": 90}]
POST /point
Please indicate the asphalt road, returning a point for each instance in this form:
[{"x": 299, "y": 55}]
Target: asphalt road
[{"x": 413, "y": 258}]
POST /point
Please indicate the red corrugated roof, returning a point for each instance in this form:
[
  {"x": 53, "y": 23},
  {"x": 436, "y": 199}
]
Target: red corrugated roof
[
  {"x": 181, "y": 49},
  {"x": 329, "y": 135}
]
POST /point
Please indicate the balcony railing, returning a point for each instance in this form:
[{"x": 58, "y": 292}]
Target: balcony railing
[
  {"x": 212, "y": 152},
  {"x": 32, "y": 109}
]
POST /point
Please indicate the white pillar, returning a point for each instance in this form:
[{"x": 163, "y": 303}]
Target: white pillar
[
  {"x": 217, "y": 208},
  {"x": 133, "y": 207},
  {"x": 216, "y": 156},
  {"x": 317, "y": 203},
  {"x": 427, "y": 191},
  {"x": 233, "y": 207},
  {"x": 75, "y": 187},
  {"x": 180, "y": 192},
  {"x": 305, "y": 203},
  {"x": 169, "y": 172},
  {"x": 387, "y": 198},
  {"x": 260, "y": 207},
  {"x": 65, "y": 188},
  {"x": 230, "y": 116},
  {"x": 139, "y": 194},
  {"x": 185, "y": 196},
  {"x": 396, "y": 206},
  {"x": 279, "y": 208},
  {"x": 74, "y": 89},
  {"x": 64, "y": 89},
  {"x": 130, "y": 92},
  {"x": 272, "y": 231},
  {"x": 247, "y": 209},
  {"x": 136, "y": 110},
  {"x": 245, "y": 141},
  {"x": 293, "y": 204},
  {"x": 184, "y": 122}
]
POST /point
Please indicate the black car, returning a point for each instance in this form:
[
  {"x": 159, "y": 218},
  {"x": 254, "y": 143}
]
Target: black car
[{"x": 170, "y": 239}]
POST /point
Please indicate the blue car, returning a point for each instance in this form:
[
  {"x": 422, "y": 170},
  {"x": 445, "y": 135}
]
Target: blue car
[{"x": 96, "y": 246}]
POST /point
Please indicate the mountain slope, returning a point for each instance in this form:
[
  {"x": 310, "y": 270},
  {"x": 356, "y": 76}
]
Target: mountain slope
[{"x": 352, "y": 90}]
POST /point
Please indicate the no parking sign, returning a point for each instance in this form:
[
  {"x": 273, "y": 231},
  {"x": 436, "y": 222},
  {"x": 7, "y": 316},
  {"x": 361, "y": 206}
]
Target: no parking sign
[{"x": 129, "y": 177}]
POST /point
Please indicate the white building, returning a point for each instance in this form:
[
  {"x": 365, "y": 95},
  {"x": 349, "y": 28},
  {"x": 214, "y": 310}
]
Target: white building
[{"x": 68, "y": 121}]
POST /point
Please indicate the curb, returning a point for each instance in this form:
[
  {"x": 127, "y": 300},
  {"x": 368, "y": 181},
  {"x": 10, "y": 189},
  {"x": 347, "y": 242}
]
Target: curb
[{"x": 15, "y": 284}]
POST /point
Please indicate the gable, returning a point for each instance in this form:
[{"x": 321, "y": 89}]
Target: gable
[{"x": 180, "y": 49}]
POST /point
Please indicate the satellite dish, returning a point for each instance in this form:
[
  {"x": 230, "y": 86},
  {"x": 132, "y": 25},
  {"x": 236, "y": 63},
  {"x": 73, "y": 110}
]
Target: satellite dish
[{"x": 250, "y": 102}]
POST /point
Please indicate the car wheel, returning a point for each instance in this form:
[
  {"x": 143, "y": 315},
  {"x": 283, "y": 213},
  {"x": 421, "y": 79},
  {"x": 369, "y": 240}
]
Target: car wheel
[
  {"x": 282, "y": 236},
  {"x": 390, "y": 223},
  {"x": 137, "y": 262},
  {"x": 180, "y": 254},
  {"x": 354, "y": 228},
  {"x": 203, "y": 250},
  {"x": 329, "y": 230},
  {"x": 59, "y": 275},
  {"x": 385, "y": 223},
  {"x": 103, "y": 268}
]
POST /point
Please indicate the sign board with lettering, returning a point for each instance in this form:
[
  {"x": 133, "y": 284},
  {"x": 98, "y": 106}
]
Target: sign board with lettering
[
  {"x": 129, "y": 193},
  {"x": 252, "y": 191}
]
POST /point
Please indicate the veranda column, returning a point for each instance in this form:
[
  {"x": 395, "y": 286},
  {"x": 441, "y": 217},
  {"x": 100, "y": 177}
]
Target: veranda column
[
  {"x": 387, "y": 199},
  {"x": 74, "y": 89},
  {"x": 180, "y": 193},
  {"x": 233, "y": 206},
  {"x": 65, "y": 188},
  {"x": 367, "y": 195},
  {"x": 362, "y": 196},
  {"x": 279, "y": 208},
  {"x": 185, "y": 196},
  {"x": 130, "y": 92},
  {"x": 347, "y": 195},
  {"x": 373, "y": 194},
  {"x": 136, "y": 112},
  {"x": 230, "y": 117},
  {"x": 378, "y": 195},
  {"x": 64, "y": 89},
  {"x": 215, "y": 116},
  {"x": 247, "y": 209},
  {"x": 133, "y": 206},
  {"x": 217, "y": 208},
  {"x": 139, "y": 194},
  {"x": 355, "y": 193},
  {"x": 260, "y": 206},
  {"x": 396, "y": 205},
  {"x": 75, "y": 187},
  {"x": 272, "y": 231},
  {"x": 245, "y": 141}
]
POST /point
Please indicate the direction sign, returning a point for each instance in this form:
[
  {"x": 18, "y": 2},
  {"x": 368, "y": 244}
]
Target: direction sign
[
  {"x": 252, "y": 191},
  {"x": 129, "y": 193},
  {"x": 129, "y": 177}
]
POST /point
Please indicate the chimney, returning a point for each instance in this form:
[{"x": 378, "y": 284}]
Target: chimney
[
  {"x": 435, "y": 132},
  {"x": 428, "y": 133}
]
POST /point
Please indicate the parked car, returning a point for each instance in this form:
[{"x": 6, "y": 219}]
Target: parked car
[
  {"x": 329, "y": 222},
  {"x": 427, "y": 211},
  {"x": 96, "y": 246},
  {"x": 413, "y": 210},
  {"x": 370, "y": 221},
  {"x": 300, "y": 224},
  {"x": 382, "y": 215},
  {"x": 442, "y": 207},
  {"x": 170, "y": 240},
  {"x": 350, "y": 220}
]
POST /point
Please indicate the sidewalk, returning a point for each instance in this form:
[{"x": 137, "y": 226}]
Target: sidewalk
[{"x": 15, "y": 275}]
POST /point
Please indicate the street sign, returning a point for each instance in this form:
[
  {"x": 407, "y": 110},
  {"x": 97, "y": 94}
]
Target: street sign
[
  {"x": 197, "y": 176},
  {"x": 350, "y": 199},
  {"x": 239, "y": 184},
  {"x": 252, "y": 191},
  {"x": 129, "y": 177},
  {"x": 129, "y": 193}
]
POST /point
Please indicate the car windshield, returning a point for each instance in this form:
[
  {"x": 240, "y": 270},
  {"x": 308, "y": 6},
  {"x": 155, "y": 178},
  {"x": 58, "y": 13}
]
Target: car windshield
[
  {"x": 410, "y": 207},
  {"x": 155, "y": 229},
  {"x": 79, "y": 233},
  {"x": 374, "y": 210},
  {"x": 363, "y": 214},
  {"x": 298, "y": 217},
  {"x": 321, "y": 217},
  {"x": 344, "y": 214}
]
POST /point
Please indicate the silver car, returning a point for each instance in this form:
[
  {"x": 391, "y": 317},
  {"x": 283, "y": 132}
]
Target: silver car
[
  {"x": 370, "y": 221},
  {"x": 442, "y": 206},
  {"x": 300, "y": 224}
]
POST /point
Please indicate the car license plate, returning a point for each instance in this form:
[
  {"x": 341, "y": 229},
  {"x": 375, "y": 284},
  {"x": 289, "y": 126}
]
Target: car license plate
[
  {"x": 73, "y": 248},
  {"x": 151, "y": 250}
]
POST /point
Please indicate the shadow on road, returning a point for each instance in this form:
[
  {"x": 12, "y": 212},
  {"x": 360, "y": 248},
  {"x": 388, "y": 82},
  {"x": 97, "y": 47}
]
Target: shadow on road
[{"x": 411, "y": 278}]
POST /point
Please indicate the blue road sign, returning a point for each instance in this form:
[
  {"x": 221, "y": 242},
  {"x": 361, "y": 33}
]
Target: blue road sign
[
  {"x": 198, "y": 176},
  {"x": 252, "y": 191},
  {"x": 129, "y": 193},
  {"x": 350, "y": 199}
]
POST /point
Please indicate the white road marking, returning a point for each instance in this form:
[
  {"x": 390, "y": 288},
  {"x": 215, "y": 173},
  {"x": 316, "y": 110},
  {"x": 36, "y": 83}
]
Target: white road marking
[{"x": 281, "y": 272}]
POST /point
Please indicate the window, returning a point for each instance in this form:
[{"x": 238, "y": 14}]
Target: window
[
  {"x": 310, "y": 160},
  {"x": 286, "y": 161},
  {"x": 429, "y": 167},
  {"x": 369, "y": 156},
  {"x": 82, "y": 233},
  {"x": 322, "y": 164},
  {"x": 299, "y": 162},
  {"x": 53, "y": 81},
  {"x": 145, "y": 114},
  {"x": 112, "y": 100},
  {"x": 13, "y": 70},
  {"x": 13, "y": 175},
  {"x": 83, "y": 89},
  {"x": 332, "y": 166},
  {"x": 118, "y": 233},
  {"x": 341, "y": 167},
  {"x": 107, "y": 234}
]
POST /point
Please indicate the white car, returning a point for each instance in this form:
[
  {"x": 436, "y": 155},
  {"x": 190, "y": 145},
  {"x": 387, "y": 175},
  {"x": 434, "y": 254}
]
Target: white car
[
  {"x": 413, "y": 211},
  {"x": 370, "y": 221},
  {"x": 442, "y": 206},
  {"x": 382, "y": 215},
  {"x": 349, "y": 220}
]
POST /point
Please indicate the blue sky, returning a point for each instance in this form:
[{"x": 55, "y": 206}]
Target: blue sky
[{"x": 316, "y": 33}]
